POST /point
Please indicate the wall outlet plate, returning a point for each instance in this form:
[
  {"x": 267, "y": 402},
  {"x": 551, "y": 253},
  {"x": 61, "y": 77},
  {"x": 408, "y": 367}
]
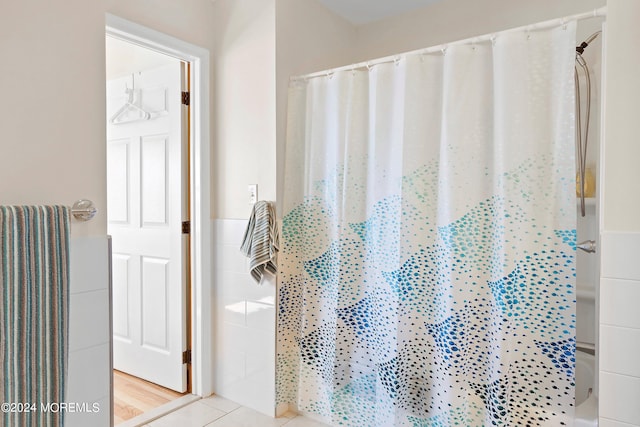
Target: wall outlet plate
[{"x": 253, "y": 193}]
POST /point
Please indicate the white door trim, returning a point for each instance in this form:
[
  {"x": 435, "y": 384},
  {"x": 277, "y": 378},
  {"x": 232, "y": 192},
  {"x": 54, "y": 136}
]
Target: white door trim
[{"x": 199, "y": 179}]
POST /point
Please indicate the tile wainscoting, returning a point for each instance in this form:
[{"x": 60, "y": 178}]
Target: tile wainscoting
[
  {"x": 620, "y": 329},
  {"x": 244, "y": 323},
  {"x": 89, "y": 375}
]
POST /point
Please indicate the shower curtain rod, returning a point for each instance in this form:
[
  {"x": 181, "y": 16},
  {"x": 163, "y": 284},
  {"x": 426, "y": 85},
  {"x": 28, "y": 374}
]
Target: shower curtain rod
[{"x": 600, "y": 12}]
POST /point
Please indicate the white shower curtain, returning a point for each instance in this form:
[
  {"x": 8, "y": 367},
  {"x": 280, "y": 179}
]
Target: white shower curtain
[{"x": 428, "y": 242}]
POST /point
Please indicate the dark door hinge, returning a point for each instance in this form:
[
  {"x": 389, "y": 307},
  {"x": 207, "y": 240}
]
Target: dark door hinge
[
  {"x": 186, "y": 356},
  {"x": 186, "y": 98},
  {"x": 186, "y": 227}
]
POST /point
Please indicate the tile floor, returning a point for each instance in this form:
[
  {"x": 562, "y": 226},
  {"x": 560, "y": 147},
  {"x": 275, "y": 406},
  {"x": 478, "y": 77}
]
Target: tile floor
[{"x": 219, "y": 412}]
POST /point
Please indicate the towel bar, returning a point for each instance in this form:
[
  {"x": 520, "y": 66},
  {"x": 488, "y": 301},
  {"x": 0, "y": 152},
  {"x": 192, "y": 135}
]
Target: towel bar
[{"x": 83, "y": 210}]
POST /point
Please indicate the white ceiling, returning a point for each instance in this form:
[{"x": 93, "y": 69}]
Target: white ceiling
[{"x": 364, "y": 11}]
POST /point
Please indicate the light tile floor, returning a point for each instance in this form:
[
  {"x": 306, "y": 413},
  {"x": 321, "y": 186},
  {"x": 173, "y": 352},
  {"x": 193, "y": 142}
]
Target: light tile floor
[{"x": 219, "y": 412}]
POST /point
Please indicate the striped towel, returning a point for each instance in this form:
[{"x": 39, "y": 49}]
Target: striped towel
[
  {"x": 261, "y": 240},
  {"x": 34, "y": 301}
]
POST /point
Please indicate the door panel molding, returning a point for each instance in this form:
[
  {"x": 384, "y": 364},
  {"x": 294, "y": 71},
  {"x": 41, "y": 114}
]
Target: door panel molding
[
  {"x": 154, "y": 168},
  {"x": 118, "y": 158}
]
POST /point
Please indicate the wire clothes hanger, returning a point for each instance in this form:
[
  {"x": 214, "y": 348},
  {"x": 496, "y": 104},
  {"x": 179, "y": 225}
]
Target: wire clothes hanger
[{"x": 121, "y": 116}]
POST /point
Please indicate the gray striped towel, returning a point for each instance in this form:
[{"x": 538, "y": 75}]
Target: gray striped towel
[
  {"x": 34, "y": 301},
  {"x": 261, "y": 240}
]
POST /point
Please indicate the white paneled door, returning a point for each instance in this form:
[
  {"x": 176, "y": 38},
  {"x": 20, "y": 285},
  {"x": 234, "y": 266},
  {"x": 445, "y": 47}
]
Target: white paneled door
[{"x": 146, "y": 206}]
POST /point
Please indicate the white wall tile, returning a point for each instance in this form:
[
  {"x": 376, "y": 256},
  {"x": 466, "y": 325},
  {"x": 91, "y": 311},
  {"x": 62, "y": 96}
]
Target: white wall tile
[
  {"x": 230, "y": 358},
  {"x": 244, "y": 369},
  {"x": 619, "y": 397},
  {"x": 257, "y": 358},
  {"x": 619, "y": 255},
  {"x": 89, "y": 374},
  {"x": 234, "y": 310},
  {"x": 236, "y": 337},
  {"x": 89, "y": 370},
  {"x": 619, "y": 302},
  {"x": 230, "y": 371},
  {"x": 88, "y": 263},
  {"x": 264, "y": 292},
  {"x": 243, "y": 283},
  {"x": 231, "y": 258},
  {"x": 99, "y": 415},
  {"x": 261, "y": 316},
  {"x": 226, "y": 282},
  {"x": 620, "y": 350},
  {"x": 229, "y": 231},
  {"x": 88, "y": 319}
]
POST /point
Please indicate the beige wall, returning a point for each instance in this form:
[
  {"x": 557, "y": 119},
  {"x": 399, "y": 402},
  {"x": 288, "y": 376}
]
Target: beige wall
[
  {"x": 258, "y": 44},
  {"x": 622, "y": 114},
  {"x": 52, "y": 132},
  {"x": 244, "y": 105},
  {"x": 308, "y": 38},
  {"x": 452, "y": 20}
]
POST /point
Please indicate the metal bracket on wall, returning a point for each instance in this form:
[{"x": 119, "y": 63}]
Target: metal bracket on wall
[{"x": 589, "y": 246}]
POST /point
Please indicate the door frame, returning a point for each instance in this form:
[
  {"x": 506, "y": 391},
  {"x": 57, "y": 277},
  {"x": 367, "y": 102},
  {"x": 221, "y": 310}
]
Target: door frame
[{"x": 199, "y": 183}]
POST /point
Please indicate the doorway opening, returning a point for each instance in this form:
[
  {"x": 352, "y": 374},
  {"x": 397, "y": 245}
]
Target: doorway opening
[{"x": 158, "y": 217}]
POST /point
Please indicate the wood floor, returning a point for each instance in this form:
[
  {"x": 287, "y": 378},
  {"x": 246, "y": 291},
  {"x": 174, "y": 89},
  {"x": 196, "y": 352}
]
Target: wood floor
[{"x": 133, "y": 396}]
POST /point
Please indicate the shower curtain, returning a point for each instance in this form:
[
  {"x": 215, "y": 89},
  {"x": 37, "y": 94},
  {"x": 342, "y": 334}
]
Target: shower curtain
[{"x": 427, "y": 271}]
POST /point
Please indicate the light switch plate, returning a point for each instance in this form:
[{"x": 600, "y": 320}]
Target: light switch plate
[{"x": 253, "y": 193}]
